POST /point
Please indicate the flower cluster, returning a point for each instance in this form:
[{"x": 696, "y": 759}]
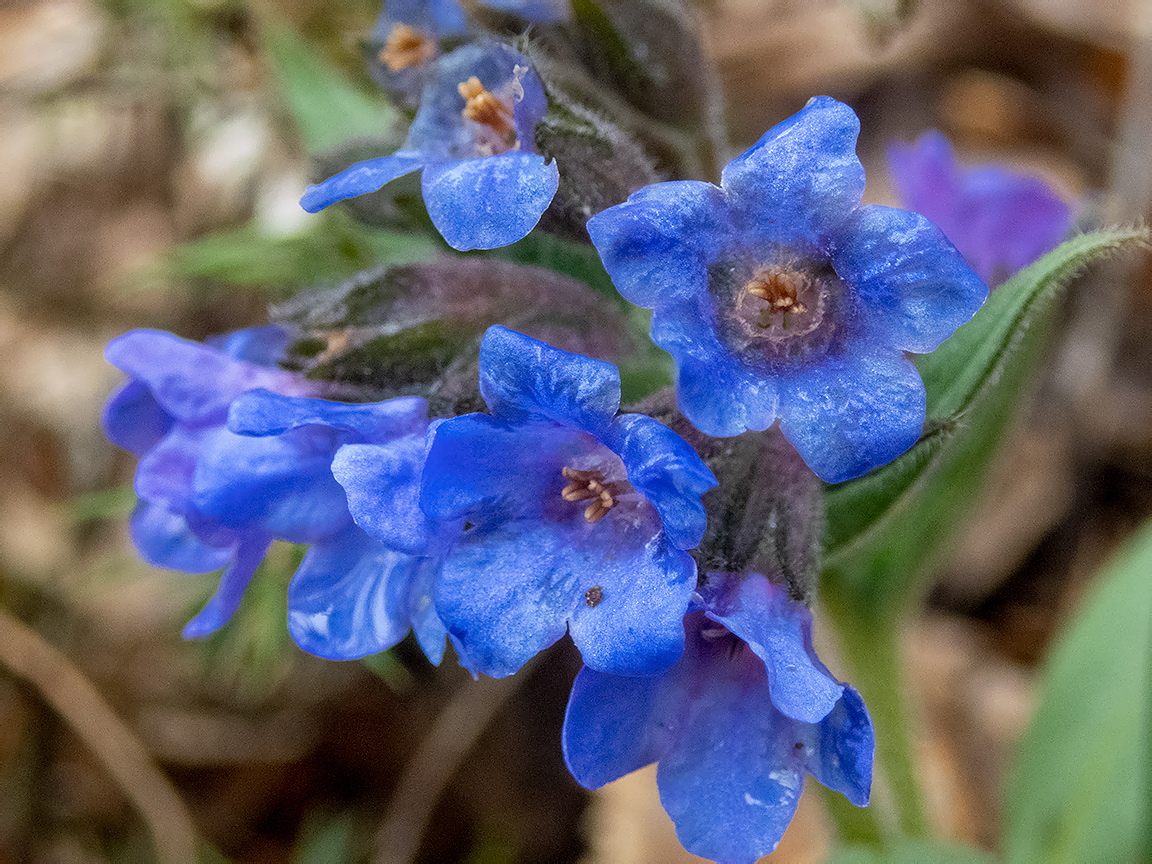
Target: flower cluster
[
  {"x": 780, "y": 298},
  {"x": 235, "y": 455},
  {"x": 1000, "y": 221}
]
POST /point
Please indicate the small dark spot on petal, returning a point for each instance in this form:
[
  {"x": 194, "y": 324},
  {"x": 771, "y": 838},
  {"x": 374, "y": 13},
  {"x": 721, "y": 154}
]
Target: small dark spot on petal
[
  {"x": 799, "y": 746},
  {"x": 468, "y": 526},
  {"x": 593, "y": 596}
]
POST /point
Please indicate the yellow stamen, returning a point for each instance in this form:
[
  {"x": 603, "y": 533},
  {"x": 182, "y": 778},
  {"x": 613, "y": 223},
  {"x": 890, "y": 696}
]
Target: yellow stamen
[
  {"x": 585, "y": 485},
  {"x": 780, "y": 289},
  {"x": 406, "y": 46},
  {"x": 482, "y": 107}
]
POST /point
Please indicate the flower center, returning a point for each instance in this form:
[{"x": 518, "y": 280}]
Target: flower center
[
  {"x": 779, "y": 289},
  {"x": 481, "y": 106},
  {"x": 781, "y": 298},
  {"x": 782, "y": 309},
  {"x": 406, "y": 46},
  {"x": 591, "y": 485}
]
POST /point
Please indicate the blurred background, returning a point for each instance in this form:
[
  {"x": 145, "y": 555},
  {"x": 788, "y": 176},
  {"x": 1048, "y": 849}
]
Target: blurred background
[{"x": 131, "y": 130}]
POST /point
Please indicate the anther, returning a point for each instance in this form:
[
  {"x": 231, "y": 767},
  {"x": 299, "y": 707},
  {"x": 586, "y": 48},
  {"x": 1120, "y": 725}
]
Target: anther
[
  {"x": 590, "y": 485},
  {"x": 480, "y": 106},
  {"x": 780, "y": 289},
  {"x": 406, "y": 46}
]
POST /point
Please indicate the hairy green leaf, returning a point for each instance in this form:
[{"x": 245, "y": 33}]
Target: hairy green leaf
[
  {"x": 884, "y": 528},
  {"x": 959, "y": 370}
]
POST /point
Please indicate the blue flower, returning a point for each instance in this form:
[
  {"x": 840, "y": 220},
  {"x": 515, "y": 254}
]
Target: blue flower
[
  {"x": 781, "y": 298},
  {"x": 174, "y": 405},
  {"x": 233, "y": 456},
  {"x": 564, "y": 515},
  {"x": 353, "y": 595},
  {"x": 474, "y": 140},
  {"x": 1000, "y": 221},
  {"x": 735, "y": 725}
]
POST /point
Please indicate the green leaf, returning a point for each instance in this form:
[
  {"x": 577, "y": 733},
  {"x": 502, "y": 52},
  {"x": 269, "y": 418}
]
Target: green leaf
[
  {"x": 884, "y": 528},
  {"x": 389, "y": 669},
  {"x": 852, "y": 508},
  {"x": 323, "y": 840},
  {"x": 910, "y": 852},
  {"x": 334, "y": 246},
  {"x": 327, "y": 108},
  {"x": 960, "y": 369},
  {"x": 1080, "y": 786},
  {"x": 114, "y": 503}
]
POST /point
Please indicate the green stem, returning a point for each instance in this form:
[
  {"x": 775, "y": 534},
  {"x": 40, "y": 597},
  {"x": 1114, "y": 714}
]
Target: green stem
[{"x": 871, "y": 645}]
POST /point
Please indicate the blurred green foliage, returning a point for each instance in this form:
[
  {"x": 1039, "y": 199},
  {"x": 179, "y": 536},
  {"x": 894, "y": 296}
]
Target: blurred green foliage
[{"x": 1080, "y": 788}]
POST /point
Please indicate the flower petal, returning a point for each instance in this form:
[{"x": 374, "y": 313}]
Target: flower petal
[
  {"x": 717, "y": 394},
  {"x": 164, "y": 474},
  {"x": 348, "y": 598},
  {"x": 478, "y": 467},
  {"x": 262, "y": 412},
  {"x": 531, "y": 106},
  {"x": 193, "y": 383},
  {"x": 264, "y": 346},
  {"x": 439, "y": 130},
  {"x": 731, "y": 766},
  {"x": 779, "y": 631},
  {"x": 164, "y": 539},
  {"x": 914, "y": 288},
  {"x": 507, "y": 594},
  {"x": 730, "y": 777},
  {"x": 735, "y": 766},
  {"x": 361, "y": 178},
  {"x": 382, "y": 483},
  {"x": 522, "y": 377},
  {"x": 636, "y": 627},
  {"x": 133, "y": 419},
  {"x": 926, "y": 175},
  {"x": 999, "y": 220},
  {"x": 226, "y": 600},
  {"x": 283, "y": 484},
  {"x": 538, "y": 11},
  {"x": 658, "y": 244},
  {"x": 491, "y": 201},
  {"x": 853, "y": 413},
  {"x": 609, "y": 727},
  {"x": 801, "y": 179},
  {"x": 503, "y": 600},
  {"x": 840, "y": 753},
  {"x": 669, "y": 473},
  {"x": 441, "y": 17}
]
